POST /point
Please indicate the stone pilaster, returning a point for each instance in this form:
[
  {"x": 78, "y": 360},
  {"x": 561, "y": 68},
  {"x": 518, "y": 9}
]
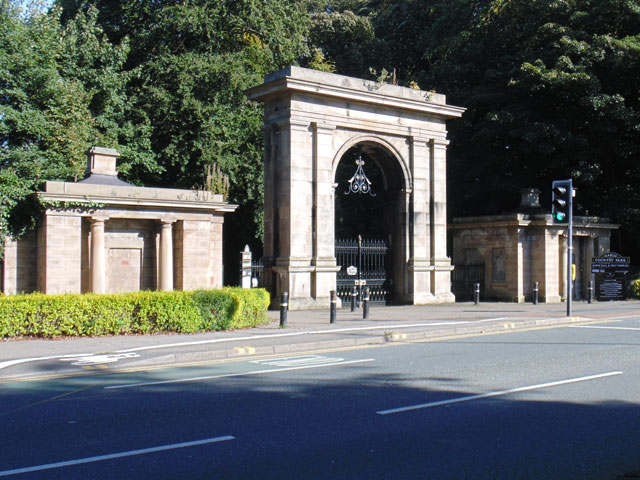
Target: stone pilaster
[
  {"x": 295, "y": 213},
  {"x": 420, "y": 266},
  {"x": 441, "y": 274},
  {"x": 166, "y": 255},
  {"x": 217, "y": 224},
  {"x": 323, "y": 278}
]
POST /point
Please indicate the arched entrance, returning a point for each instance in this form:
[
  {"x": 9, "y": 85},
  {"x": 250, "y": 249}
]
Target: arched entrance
[
  {"x": 368, "y": 204},
  {"x": 315, "y": 122}
]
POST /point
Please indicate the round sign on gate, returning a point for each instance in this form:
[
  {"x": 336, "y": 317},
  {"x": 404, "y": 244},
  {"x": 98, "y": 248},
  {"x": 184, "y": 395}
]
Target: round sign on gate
[{"x": 351, "y": 270}]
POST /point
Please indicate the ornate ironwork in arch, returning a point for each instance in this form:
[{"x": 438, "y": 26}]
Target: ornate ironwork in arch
[
  {"x": 382, "y": 144},
  {"x": 359, "y": 183}
]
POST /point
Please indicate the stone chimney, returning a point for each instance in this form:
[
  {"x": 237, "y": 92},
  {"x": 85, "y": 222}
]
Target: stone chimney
[
  {"x": 101, "y": 167},
  {"x": 102, "y": 161},
  {"x": 530, "y": 198}
]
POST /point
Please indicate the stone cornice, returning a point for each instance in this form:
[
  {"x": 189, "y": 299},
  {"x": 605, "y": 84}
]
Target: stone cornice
[
  {"x": 524, "y": 220},
  {"x": 302, "y": 80},
  {"x": 107, "y": 196}
]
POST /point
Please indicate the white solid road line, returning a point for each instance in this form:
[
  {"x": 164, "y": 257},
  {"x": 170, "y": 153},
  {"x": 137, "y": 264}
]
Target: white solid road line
[
  {"x": 240, "y": 374},
  {"x": 306, "y": 332},
  {"x": 498, "y": 393},
  {"x": 111, "y": 456},
  {"x": 18, "y": 361},
  {"x": 604, "y": 328}
]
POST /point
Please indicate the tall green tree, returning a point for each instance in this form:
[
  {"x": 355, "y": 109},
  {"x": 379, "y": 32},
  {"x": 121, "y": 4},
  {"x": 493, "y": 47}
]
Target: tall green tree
[
  {"x": 550, "y": 92},
  {"x": 60, "y": 92},
  {"x": 343, "y": 32},
  {"x": 550, "y": 88},
  {"x": 189, "y": 64}
]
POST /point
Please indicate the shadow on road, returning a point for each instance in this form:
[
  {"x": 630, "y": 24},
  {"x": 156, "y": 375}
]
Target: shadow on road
[{"x": 311, "y": 426}]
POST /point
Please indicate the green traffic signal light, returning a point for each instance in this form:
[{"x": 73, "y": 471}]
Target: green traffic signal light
[
  {"x": 561, "y": 202},
  {"x": 559, "y": 217}
]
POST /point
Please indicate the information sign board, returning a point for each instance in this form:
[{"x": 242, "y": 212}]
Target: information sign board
[{"x": 610, "y": 275}]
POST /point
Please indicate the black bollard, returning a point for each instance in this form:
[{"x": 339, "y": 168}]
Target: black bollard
[
  {"x": 334, "y": 306},
  {"x": 365, "y": 303},
  {"x": 354, "y": 296},
  {"x": 284, "y": 306},
  {"x": 535, "y": 293},
  {"x": 476, "y": 293},
  {"x": 590, "y": 292}
]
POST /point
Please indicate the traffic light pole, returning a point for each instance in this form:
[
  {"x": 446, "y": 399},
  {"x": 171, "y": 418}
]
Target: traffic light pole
[
  {"x": 570, "y": 250},
  {"x": 562, "y": 212}
]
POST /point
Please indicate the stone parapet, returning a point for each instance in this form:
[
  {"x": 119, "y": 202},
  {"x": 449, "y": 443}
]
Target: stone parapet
[{"x": 115, "y": 195}]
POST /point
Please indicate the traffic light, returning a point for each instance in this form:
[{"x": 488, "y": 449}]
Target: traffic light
[{"x": 561, "y": 200}]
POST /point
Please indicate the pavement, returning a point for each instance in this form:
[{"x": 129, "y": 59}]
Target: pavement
[{"x": 305, "y": 331}]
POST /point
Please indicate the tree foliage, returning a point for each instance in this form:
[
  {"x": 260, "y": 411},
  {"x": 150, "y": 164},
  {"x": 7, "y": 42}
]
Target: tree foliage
[
  {"x": 189, "y": 65},
  {"x": 550, "y": 90},
  {"x": 60, "y": 91}
]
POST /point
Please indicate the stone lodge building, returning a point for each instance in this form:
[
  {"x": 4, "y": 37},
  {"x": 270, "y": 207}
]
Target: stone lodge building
[
  {"x": 103, "y": 235},
  {"x": 511, "y": 252}
]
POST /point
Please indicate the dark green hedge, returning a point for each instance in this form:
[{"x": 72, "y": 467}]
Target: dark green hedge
[{"x": 38, "y": 315}]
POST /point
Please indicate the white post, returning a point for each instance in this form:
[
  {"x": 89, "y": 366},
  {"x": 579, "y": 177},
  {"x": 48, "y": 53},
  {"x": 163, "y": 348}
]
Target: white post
[{"x": 245, "y": 268}]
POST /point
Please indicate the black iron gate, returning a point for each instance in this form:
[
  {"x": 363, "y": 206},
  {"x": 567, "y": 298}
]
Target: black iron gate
[
  {"x": 364, "y": 262},
  {"x": 463, "y": 279}
]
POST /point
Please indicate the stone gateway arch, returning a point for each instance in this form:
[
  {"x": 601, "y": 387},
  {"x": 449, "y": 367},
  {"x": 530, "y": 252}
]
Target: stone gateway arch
[{"x": 312, "y": 120}]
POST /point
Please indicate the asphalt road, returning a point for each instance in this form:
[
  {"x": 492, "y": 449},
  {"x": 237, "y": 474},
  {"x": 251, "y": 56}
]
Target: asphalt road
[{"x": 556, "y": 403}]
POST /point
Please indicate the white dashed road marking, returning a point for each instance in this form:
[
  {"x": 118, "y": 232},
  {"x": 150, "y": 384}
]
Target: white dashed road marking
[
  {"x": 111, "y": 456},
  {"x": 307, "y": 363},
  {"x": 498, "y": 393}
]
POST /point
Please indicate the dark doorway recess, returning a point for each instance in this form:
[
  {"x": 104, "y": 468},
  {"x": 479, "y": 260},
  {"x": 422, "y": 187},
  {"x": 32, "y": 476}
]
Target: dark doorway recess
[{"x": 367, "y": 186}]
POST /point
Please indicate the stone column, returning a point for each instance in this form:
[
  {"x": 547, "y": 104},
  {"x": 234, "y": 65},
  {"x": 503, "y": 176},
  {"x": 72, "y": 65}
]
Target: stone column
[
  {"x": 441, "y": 275},
  {"x": 98, "y": 256},
  {"x": 166, "y": 256},
  {"x": 323, "y": 260}
]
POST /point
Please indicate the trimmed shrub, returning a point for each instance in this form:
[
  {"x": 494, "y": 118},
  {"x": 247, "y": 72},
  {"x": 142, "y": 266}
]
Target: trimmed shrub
[
  {"x": 38, "y": 315},
  {"x": 215, "y": 309},
  {"x": 635, "y": 288},
  {"x": 249, "y": 306}
]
